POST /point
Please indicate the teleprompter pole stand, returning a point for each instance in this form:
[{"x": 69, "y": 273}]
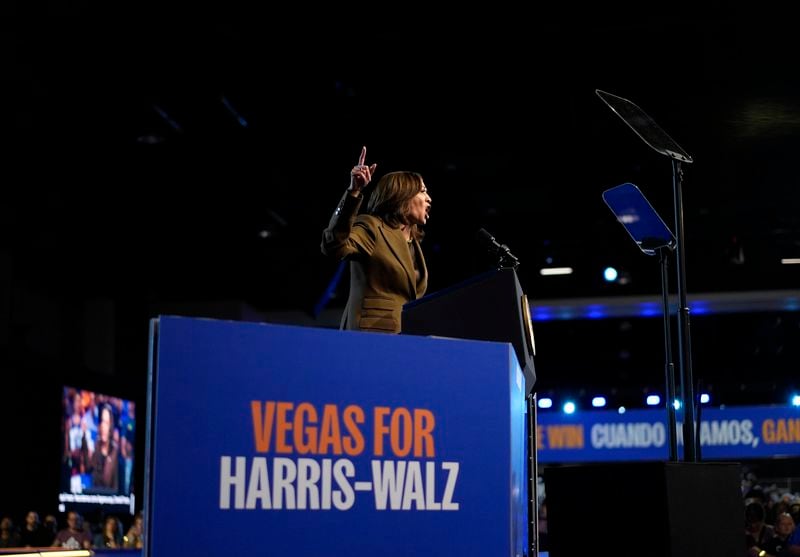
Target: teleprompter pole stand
[
  {"x": 650, "y": 132},
  {"x": 690, "y": 447},
  {"x": 653, "y": 236},
  {"x": 669, "y": 366}
]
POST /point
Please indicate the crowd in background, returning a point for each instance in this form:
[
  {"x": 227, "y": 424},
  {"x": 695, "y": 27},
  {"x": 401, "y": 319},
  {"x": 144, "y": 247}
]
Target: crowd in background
[
  {"x": 770, "y": 523},
  {"x": 110, "y": 532}
]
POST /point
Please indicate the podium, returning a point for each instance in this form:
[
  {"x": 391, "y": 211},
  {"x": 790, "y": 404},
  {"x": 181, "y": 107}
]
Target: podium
[
  {"x": 490, "y": 306},
  {"x": 283, "y": 440}
]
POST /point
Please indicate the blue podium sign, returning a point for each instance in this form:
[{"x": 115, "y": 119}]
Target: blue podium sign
[{"x": 285, "y": 441}]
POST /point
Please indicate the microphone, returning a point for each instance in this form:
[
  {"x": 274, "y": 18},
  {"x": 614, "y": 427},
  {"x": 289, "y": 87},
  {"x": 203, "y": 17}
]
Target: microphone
[{"x": 496, "y": 247}]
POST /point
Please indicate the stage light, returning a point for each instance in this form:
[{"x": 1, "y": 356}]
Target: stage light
[
  {"x": 653, "y": 400},
  {"x": 545, "y": 402},
  {"x": 704, "y": 398},
  {"x": 569, "y": 407},
  {"x": 612, "y": 275},
  {"x": 555, "y": 271},
  {"x": 599, "y": 401},
  {"x": 621, "y": 410},
  {"x": 676, "y": 404},
  {"x": 796, "y": 400}
]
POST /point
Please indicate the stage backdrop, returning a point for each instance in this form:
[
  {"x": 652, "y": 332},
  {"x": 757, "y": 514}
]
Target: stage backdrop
[{"x": 285, "y": 441}]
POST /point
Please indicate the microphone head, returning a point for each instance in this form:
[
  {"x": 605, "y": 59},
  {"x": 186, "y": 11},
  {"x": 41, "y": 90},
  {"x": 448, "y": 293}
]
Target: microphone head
[{"x": 484, "y": 236}]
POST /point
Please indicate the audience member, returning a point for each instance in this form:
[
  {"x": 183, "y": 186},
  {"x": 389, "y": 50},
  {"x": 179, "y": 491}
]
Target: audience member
[
  {"x": 33, "y": 534},
  {"x": 9, "y": 537},
  {"x": 105, "y": 463},
  {"x": 794, "y": 510},
  {"x": 778, "y": 546},
  {"x": 73, "y": 536},
  {"x": 135, "y": 536},
  {"x": 111, "y": 536},
  {"x": 50, "y": 525},
  {"x": 127, "y": 444},
  {"x": 757, "y": 532}
]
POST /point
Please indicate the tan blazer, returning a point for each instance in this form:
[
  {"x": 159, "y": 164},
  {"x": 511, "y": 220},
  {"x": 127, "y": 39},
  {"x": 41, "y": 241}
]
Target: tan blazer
[{"x": 382, "y": 275}]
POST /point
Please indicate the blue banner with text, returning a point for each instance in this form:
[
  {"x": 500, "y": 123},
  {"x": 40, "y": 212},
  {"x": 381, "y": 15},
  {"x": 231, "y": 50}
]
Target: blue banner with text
[
  {"x": 285, "y": 441},
  {"x": 725, "y": 433}
]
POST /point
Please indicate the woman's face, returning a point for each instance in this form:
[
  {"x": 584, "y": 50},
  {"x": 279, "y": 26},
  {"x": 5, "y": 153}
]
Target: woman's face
[
  {"x": 784, "y": 525},
  {"x": 105, "y": 425},
  {"x": 111, "y": 525},
  {"x": 419, "y": 207}
]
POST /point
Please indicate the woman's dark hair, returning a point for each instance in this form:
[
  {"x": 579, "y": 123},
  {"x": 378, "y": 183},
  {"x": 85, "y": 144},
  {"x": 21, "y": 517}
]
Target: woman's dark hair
[{"x": 391, "y": 197}]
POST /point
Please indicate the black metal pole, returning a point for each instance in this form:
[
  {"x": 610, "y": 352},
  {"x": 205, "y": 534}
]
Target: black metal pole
[
  {"x": 669, "y": 366},
  {"x": 684, "y": 336},
  {"x": 533, "y": 478}
]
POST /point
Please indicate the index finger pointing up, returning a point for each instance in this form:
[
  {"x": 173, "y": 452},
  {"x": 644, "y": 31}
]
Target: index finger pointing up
[{"x": 363, "y": 156}]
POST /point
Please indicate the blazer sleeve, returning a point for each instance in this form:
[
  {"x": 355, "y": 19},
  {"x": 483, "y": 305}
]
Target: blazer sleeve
[{"x": 348, "y": 234}]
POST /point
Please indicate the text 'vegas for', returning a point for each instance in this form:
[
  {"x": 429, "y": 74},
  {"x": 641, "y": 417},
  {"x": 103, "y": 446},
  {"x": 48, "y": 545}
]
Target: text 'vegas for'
[{"x": 288, "y": 427}]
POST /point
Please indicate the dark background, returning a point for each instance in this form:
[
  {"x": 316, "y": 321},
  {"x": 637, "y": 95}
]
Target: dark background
[{"x": 130, "y": 188}]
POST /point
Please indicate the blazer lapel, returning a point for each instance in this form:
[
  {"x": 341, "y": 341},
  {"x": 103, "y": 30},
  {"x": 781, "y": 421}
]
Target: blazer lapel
[
  {"x": 399, "y": 247},
  {"x": 423, "y": 271}
]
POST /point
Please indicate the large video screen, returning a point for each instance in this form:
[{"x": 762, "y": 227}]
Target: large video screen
[{"x": 99, "y": 445}]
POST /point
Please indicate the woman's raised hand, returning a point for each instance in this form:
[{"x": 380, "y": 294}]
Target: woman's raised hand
[{"x": 361, "y": 174}]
